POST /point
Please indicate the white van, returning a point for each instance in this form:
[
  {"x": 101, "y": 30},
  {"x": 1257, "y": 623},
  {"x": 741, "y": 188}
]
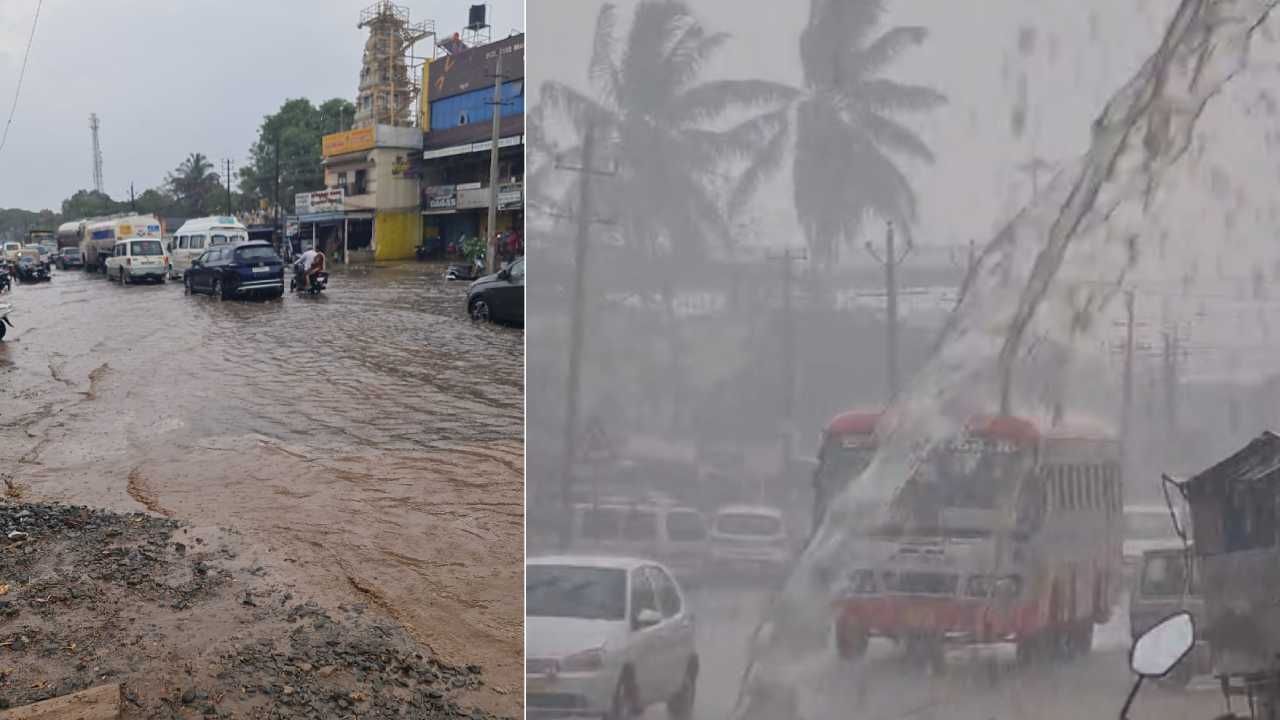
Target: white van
[
  {"x": 195, "y": 236},
  {"x": 133, "y": 259},
  {"x": 750, "y": 536},
  {"x": 672, "y": 534}
]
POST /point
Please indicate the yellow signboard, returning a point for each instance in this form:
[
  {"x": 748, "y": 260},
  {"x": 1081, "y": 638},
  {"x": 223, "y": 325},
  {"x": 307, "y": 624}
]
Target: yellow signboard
[
  {"x": 347, "y": 142},
  {"x": 124, "y": 231}
]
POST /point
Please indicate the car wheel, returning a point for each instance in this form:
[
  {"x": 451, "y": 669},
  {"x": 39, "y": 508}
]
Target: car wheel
[
  {"x": 186, "y": 286},
  {"x": 2, "y": 329},
  {"x": 480, "y": 309},
  {"x": 164, "y": 278},
  {"x": 623, "y": 706},
  {"x": 680, "y": 706},
  {"x": 217, "y": 290},
  {"x": 851, "y": 643}
]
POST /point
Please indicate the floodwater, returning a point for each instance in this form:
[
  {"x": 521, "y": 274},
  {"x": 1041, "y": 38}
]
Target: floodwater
[{"x": 367, "y": 443}]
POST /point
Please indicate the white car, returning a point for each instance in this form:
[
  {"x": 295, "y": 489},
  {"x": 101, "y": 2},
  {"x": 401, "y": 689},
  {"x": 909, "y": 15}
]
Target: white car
[
  {"x": 134, "y": 259},
  {"x": 11, "y": 250},
  {"x": 750, "y": 536},
  {"x": 606, "y": 637}
]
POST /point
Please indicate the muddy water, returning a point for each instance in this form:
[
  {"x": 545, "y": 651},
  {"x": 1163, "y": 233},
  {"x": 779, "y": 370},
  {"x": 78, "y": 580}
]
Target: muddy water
[{"x": 367, "y": 443}]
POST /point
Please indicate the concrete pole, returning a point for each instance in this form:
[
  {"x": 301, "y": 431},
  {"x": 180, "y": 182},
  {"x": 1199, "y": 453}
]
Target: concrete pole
[
  {"x": 576, "y": 334},
  {"x": 490, "y": 245},
  {"x": 346, "y": 230},
  {"x": 1126, "y": 408}
]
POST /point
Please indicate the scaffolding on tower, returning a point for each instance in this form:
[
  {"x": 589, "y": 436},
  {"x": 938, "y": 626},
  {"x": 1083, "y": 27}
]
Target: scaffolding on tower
[{"x": 388, "y": 89}]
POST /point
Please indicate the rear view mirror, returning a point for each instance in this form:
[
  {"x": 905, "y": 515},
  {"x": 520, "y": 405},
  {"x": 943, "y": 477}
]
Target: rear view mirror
[{"x": 1159, "y": 649}]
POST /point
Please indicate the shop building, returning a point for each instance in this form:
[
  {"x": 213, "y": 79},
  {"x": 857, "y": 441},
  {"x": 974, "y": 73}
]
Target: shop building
[
  {"x": 369, "y": 209},
  {"x": 457, "y": 111}
]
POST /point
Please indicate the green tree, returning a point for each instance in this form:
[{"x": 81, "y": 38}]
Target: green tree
[
  {"x": 845, "y": 133},
  {"x": 296, "y": 130},
  {"x": 90, "y": 203},
  {"x": 195, "y": 186}
]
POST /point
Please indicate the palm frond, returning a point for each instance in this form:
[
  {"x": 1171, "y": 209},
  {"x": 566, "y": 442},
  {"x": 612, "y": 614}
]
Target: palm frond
[
  {"x": 892, "y": 96},
  {"x": 578, "y": 108},
  {"x": 888, "y": 46},
  {"x": 603, "y": 69},
  {"x": 766, "y": 162},
  {"x": 711, "y": 100},
  {"x": 896, "y": 137}
]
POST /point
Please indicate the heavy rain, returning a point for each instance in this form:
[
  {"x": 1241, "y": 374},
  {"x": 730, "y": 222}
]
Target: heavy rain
[{"x": 874, "y": 346}]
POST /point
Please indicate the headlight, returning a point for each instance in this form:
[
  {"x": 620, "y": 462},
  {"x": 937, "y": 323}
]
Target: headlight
[{"x": 585, "y": 661}]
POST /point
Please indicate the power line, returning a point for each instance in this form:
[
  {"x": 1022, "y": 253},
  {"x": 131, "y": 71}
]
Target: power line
[{"x": 21, "y": 74}]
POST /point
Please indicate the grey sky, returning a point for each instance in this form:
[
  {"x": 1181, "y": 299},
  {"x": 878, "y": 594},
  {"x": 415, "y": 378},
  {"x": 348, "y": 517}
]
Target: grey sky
[
  {"x": 975, "y": 184},
  {"x": 170, "y": 78}
]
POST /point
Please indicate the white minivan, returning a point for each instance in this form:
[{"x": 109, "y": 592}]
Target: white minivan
[
  {"x": 195, "y": 236},
  {"x": 134, "y": 259}
]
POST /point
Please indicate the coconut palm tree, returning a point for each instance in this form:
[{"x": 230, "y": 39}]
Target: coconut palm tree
[
  {"x": 846, "y": 135},
  {"x": 193, "y": 183},
  {"x": 677, "y": 162}
]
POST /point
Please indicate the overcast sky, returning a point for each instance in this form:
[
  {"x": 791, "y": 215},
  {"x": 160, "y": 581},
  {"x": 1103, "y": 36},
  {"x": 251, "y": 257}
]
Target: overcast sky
[
  {"x": 171, "y": 77},
  {"x": 1085, "y": 50}
]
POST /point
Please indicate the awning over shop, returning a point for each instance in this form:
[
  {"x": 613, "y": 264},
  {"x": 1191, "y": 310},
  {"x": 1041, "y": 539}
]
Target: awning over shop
[{"x": 333, "y": 218}]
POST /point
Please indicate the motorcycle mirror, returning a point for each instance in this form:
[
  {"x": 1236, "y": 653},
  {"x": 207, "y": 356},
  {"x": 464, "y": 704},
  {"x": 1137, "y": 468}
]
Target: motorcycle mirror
[{"x": 1159, "y": 649}]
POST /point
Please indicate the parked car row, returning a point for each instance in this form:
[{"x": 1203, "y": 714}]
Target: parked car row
[{"x": 747, "y": 540}]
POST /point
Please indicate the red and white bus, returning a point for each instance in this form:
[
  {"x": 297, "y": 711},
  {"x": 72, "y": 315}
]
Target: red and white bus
[
  {"x": 1004, "y": 533},
  {"x": 848, "y": 443}
]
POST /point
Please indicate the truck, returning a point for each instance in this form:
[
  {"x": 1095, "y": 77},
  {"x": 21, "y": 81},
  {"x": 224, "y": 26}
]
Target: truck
[{"x": 99, "y": 236}]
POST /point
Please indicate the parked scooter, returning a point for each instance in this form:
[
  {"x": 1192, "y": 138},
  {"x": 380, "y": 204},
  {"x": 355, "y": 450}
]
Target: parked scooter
[
  {"x": 5, "y": 309},
  {"x": 6, "y": 281},
  {"x": 464, "y": 272}
]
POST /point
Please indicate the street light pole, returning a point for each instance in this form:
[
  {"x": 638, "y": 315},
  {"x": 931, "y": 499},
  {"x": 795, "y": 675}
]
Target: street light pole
[
  {"x": 491, "y": 244},
  {"x": 891, "y": 261}
]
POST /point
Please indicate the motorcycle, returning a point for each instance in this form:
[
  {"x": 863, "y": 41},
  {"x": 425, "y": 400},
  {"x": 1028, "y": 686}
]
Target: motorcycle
[
  {"x": 318, "y": 283},
  {"x": 5, "y": 309},
  {"x": 463, "y": 272},
  {"x": 6, "y": 283},
  {"x": 32, "y": 271}
]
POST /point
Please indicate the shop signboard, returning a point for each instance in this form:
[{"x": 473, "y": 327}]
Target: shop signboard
[
  {"x": 473, "y": 197},
  {"x": 441, "y": 197},
  {"x": 341, "y": 143},
  {"x": 320, "y": 201},
  {"x": 510, "y": 196},
  {"x": 474, "y": 68}
]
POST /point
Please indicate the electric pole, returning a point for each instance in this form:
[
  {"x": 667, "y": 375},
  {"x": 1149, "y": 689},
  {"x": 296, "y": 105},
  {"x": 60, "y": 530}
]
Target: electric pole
[
  {"x": 491, "y": 246},
  {"x": 276, "y": 190},
  {"x": 133, "y": 204},
  {"x": 576, "y": 333},
  {"x": 1126, "y": 407},
  {"x": 891, "y": 261},
  {"x": 788, "y": 358},
  {"x": 228, "y": 161}
]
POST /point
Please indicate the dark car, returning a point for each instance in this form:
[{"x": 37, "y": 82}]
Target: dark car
[
  {"x": 239, "y": 270},
  {"x": 68, "y": 257},
  {"x": 499, "y": 296},
  {"x": 1162, "y": 587}
]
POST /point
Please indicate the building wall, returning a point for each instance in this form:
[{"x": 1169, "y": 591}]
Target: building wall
[
  {"x": 394, "y": 190},
  {"x": 396, "y": 234}
]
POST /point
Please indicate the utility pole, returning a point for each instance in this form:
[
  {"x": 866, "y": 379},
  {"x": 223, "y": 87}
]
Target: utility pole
[
  {"x": 228, "y": 161},
  {"x": 491, "y": 245},
  {"x": 276, "y": 189},
  {"x": 133, "y": 204},
  {"x": 1126, "y": 407},
  {"x": 891, "y": 261},
  {"x": 577, "y": 321},
  {"x": 788, "y": 359}
]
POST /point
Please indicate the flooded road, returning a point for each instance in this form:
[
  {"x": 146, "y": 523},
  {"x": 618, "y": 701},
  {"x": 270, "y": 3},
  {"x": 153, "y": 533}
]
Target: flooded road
[
  {"x": 366, "y": 443},
  {"x": 986, "y": 684}
]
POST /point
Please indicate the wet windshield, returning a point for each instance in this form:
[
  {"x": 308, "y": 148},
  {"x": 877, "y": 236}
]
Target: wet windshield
[
  {"x": 147, "y": 247},
  {"x": 601, "y": 522},
  {"x": 261, "y": 253},
  {"x": 569, "y": 591},
  {"x": 841, "y": 464}
]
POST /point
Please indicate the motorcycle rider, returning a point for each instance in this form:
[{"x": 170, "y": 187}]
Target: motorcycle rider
[{"x": 310, "y": 263}]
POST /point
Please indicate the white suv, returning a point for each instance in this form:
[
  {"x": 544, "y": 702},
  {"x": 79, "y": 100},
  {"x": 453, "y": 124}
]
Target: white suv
[{"x": 606, "y": 636}]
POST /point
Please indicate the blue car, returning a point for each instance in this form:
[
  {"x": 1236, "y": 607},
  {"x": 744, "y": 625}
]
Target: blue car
[{"x": 237, "y": 270}]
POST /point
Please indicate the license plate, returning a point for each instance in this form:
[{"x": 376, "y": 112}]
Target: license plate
[{"x": 261, "y": 269}]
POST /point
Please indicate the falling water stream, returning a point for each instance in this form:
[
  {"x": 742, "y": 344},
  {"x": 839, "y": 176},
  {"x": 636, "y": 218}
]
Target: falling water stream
[{"x": 1094, "y": 221}]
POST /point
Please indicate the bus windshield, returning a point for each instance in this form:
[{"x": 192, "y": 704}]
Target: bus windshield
[{"x": 967, "y": 475}]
